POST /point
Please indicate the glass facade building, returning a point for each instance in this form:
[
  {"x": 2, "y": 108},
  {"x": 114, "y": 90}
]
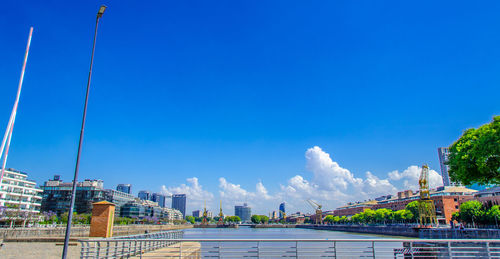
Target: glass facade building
[
  {"x": 179, "y": 203},
  {"x": 443, "y": 153},
  {"x": 282, "y": 209},
  {"x": 244, "y": 212},
  {"x": 126, "y": 188}
]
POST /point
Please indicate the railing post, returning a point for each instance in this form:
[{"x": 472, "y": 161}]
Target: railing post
[
  {"x": 180, "y": 249},
  {"x": 373, "y": 249},
  {"x": 140, "y": 250},
  {"x": 411, "y": 250},
  {"x": 258, "y": 249},
  {"x": 98, "y": 250},
  {"x": 449, "y": 249},
  {"x": 297, "y": 249},
  {"x": 107, "y": 249},
  {"x": 488, "y": 249},
  {"x": 335, "y": 249}
]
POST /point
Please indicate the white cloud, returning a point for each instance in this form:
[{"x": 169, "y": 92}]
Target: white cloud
[
  {"x": 196, "y": 196},
  {"x": 408, "y": 179},
  {"x": 329, "y": 184},
  {"x": 234, "y": 194},
  {"x": 333, "y": 185}
]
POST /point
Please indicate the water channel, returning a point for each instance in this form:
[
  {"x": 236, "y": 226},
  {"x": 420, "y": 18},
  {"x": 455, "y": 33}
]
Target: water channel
[
  {"x": 289, "y": 249},
  {"x": 274, "y": 233}
]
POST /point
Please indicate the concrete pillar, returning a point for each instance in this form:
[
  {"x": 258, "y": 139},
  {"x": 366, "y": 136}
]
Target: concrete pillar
[{"x": 103, "y": 216}]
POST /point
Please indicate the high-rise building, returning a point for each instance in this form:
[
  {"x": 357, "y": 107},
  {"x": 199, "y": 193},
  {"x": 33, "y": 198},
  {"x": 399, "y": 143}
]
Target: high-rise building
[
  {"x": 18, "y": 191},
  {"x": 119, "y": 199},
  {"x": 179, "y": 203},
  {"x": 144, "y": 195},
  {"x": 274, "y": 215},
  {"x": 56, "y": 195},
  {"x": 282, "y": 209},
  {"x": 126, "y": 188},
  {"x": 160, "y": 198},
  {"x": 244, "y": 212},
  {"x": 443, "y": 153},
  {"x": 197, "y": 214}
]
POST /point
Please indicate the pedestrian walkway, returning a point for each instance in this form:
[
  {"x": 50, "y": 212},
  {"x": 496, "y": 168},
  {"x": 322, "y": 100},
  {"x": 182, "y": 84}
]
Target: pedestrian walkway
[{"x": 185, "y": 250}]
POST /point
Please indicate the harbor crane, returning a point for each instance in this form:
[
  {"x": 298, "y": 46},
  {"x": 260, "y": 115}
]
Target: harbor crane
[
  {"x": 205, "y": 214},
  {"x": 284, "y": 215},
  {"x": 319, "y": 213},
  {"x": 221, "y": 216},
  {"x": 426, "y": 209}
]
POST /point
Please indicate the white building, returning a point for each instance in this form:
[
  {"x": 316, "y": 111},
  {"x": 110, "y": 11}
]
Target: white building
[
  {"x": 19, "y": 193},
  {"x": 172, "y": 214}
]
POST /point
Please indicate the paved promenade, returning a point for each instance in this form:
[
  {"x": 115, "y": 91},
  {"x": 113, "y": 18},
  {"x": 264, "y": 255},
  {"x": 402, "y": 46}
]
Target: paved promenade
[{"x": 37, "y": 250}]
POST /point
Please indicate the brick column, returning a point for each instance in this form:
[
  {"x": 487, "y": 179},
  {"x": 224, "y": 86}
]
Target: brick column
[{"x": 103, "y": 216}]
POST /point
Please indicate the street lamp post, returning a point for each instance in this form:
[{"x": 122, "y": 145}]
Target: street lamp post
[{"x": 75, "y": 178}]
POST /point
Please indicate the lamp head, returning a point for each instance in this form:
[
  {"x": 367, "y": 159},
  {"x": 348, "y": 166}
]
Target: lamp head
[{"x": 101, "y": 11}]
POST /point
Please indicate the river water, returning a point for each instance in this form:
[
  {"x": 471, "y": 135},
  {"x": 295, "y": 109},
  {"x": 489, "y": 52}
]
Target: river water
[
  {"x": 273, "y": 233},
  {"x": 323, "y": 249}
]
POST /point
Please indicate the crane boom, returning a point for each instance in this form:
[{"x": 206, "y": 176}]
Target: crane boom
[{"x": 319, "y": 213}]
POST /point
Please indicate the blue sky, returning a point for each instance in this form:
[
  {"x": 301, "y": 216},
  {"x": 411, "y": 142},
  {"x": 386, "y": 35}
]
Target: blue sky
[{"x": 243, "y": 89}]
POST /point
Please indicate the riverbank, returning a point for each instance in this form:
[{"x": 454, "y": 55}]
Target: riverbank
[
  {"x": 407, "y": 231},
  {"x": 11, "y": 234},
  {"x": 378, "y": 230},
  {"x": 273, "y": 226}
]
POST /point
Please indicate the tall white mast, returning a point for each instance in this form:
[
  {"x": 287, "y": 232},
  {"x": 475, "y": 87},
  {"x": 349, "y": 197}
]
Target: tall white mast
[{"x": 10, "y": 126}]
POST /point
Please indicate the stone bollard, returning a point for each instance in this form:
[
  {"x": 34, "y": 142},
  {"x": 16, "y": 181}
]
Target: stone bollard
[{"x": 103, "y": 217}]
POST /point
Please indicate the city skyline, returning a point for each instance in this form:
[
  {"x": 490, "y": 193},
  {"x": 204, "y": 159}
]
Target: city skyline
[{"x": 241, "y": 101}]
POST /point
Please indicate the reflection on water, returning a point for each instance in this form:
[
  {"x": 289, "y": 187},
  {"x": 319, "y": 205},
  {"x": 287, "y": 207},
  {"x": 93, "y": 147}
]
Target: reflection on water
[
  {"x": 293, "y": 249},
  {"x": 273, "y": 233}
]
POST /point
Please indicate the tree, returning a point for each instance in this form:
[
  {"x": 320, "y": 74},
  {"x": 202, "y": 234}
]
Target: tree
[
  {"x": 190, "y": 219},
  {"x": 382, "y": 215},
  {"x": 475, "y": 156},
  {"x": 233, "y": 219},
  {"x": 329, "y": 219},
  {"x": 471, "y": 212},
  {"x": 413, "y": 208},
  {"x": 255, "y": 219},
  {"x": 264, "y": 219},
  {"x": 493, "y": 215}
]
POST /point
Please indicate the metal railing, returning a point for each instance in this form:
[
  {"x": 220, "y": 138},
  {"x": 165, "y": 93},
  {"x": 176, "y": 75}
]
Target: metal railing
[
  {"x": 128, "y": 246},
  {"x": 290, "y": 248}
]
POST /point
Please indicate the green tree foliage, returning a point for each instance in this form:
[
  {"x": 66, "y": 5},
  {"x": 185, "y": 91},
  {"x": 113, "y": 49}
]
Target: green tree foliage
[
  {"x": 255, "y": 219},
  {"x": 472, "y": 211},
  {"x": 380, "y": 216},
  {"x": 123, "y": 221},
  {"x": 413, "y": 208},
  {"x": 329, "y": 219},
  {"x": 259, "y": 219},
  {"x": 475, "y": 156},
  {"x": 383, "y": 216},
  {"x": 190, "y": 219},
  {"x": 232, "y": 219},
  {"x": 493, "y": 215},
  {"x": 83, "y": 218}
]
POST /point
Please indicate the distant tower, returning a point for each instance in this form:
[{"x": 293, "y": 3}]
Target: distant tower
[
  {"x": 144, "y": 195},
  {"x": 244, "y": 212},
  {"x": 160, "y": 198},
  {"x": 282, "y": 209},
  {"x": 179, "y": 203},
  {"x": 204, "y": 220},
  {"x": 126, "y": 188},
  {"x": 443, "y": 153},
  {"x": 221, "y": 215},
  {"x": 426, "y": 207}
]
